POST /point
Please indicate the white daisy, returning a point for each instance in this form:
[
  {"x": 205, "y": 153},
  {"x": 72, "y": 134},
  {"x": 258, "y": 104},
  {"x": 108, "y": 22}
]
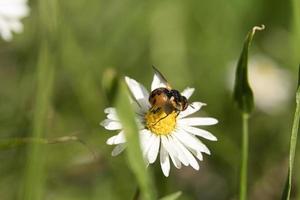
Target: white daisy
[
  {"x": 11, "y": 13},
  {"x": 270, "y": 83},
  {"x": 172, "y": 137}
]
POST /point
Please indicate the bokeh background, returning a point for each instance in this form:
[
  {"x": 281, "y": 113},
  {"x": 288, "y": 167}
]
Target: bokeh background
[{"x": 51, "y": 85}]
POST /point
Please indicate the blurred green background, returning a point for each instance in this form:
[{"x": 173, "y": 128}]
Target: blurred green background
[{"x": 51, "y": 86}]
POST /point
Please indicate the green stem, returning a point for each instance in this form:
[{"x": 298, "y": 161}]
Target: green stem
[
  {"x": 244, "y": 162},
  {"x": 293, "y": 144},
  {"x": 136, "y": 194}
]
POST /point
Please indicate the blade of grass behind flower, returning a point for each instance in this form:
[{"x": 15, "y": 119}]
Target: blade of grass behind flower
[
  {"x": 33, "y": 181},
  {"x": 134, "y": 154},
  {"x": 34, "y": 175},
  {"x": 81, "y": 75}
]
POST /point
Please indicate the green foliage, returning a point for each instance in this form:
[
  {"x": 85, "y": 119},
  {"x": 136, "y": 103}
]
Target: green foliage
[
  {"x": 243, "y": 94},
  {"x": 293, "y": 144},
  {"x": 192, "y": 42},
  {"x": 110, "y": 84},
  {"x": 296, "y": 30},
  {"x": 134, "y": 154},
  {"x": 244, "y": 157},
  {"x": 298, "y": 77},
  {"x": 173, "y": 196},
  {"x": 34, "y": 174}
]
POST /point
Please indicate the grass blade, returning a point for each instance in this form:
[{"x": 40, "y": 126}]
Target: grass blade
[
  {"x": 33, "y": 182},
  {"x": 46, "y": 34},
  {"x": 296, "y": 30},
  {"x": 173, "y": 196},
  {"x": 134, "y": 154},
  {"x": 293, "y": 143}
]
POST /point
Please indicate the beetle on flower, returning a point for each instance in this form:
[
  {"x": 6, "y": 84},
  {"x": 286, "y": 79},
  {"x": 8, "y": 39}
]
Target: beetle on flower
[{"x": 171, "y": 134}]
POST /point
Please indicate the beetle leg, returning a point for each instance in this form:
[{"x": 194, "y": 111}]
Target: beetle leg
[
  {"x": 155, "y": 110},
  {"x": 161, "y": 119}
]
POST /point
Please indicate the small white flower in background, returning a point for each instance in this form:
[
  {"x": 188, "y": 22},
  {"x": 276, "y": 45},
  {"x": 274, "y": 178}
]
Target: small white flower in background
[
  {"x": 11, "y": 13},
  {"x": 172, "y": 137},
  {"x": 269, "y": 82}
]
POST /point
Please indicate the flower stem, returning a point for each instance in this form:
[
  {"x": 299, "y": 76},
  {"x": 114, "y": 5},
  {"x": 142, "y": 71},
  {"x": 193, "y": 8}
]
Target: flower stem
[
  {"x": 136, "y": 194},
  {"x": 293, "y": 144},
  {"x": 244, "y": 162}
]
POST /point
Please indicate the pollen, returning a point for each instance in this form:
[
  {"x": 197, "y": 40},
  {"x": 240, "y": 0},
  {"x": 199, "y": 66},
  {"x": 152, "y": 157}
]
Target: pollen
[{"x": 160, "y": 123}]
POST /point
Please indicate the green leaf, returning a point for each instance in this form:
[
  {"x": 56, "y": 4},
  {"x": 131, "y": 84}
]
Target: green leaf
[
  {"x": 295, "y": 39},
  {"x": 35, "y": 163},
  {"x": 110, "y": 84},
  {"x": 81, "y": 79},
  {"x": 135, "y": 159},
  {"x": 35, "y": 166},
  {"x": 293, "y": 144},
  {"x": 298, "y": 77},
  {"x": 172, "y": 196},
  {"x": 243, "y": 94}
]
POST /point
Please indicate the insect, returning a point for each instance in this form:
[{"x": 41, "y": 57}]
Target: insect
[{"x": 166, "y": 98}]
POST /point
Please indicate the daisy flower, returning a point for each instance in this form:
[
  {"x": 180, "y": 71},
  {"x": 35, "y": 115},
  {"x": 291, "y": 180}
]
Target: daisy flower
[
  {"x": 11, "y": 13},
  {"x": 170, "y": 136},
  {"x": 270, "y": 83}
]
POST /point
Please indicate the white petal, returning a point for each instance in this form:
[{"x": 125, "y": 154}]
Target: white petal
[
  {"x": 180, "y": 154},
  {"x": 192, "y": 161},
  {"x": 191, "y": 141},
  {"x": 172, "y": 152},
  {"x": 147, "y": 145},
  {"x": 118, "y": 149},
  {"x": 110, "y": 110},
  {"x": 113, "y": 117},
  {"x": 111, "y": 125},
  {"x": 16, "y": 26},
  {"x": 158, "y": 81},
  {"x": 153, "y": 150},
  {"x": 188, "y": 92},
  {"x": 11, "y": 12},
  {"x": 11, "y": 9},
  {"x": 200, "y": 132},
  {"x": 116, "y": 139},
  {"x": 164, "y": 161},
  {"x": 5, "y": 31},
  {"x": 198, "y": 121},
  {"x": 176, "y": 162},
  {"x": 197, "y": 154},
  {"x": 192, "y": 108},
  {"x": 144, "y": 137},
  {"x": 139, "y": 92},
  {"x": 6, "y": 35}
]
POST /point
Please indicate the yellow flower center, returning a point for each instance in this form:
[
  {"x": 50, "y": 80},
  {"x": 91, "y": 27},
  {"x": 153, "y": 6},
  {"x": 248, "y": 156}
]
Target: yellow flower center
[{"x": 159, "y": 122}]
